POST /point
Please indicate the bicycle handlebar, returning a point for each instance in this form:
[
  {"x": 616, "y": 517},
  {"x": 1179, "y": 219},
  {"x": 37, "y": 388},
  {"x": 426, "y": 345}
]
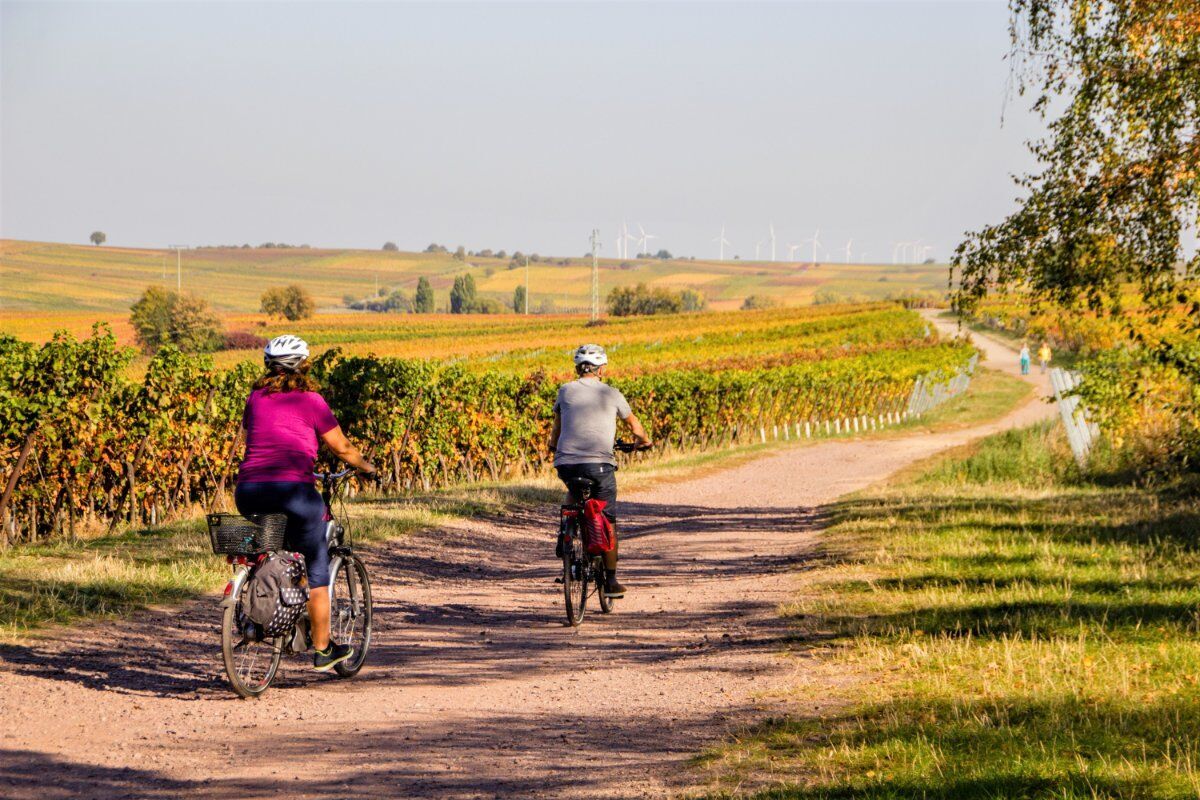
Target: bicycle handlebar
[
  {"x": 333, "y": 476},
  {"x": 630, "y": 447}
]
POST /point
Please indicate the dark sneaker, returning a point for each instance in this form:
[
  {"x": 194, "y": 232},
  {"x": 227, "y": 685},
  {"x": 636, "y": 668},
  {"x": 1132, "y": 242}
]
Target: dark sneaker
[
  {"x": 334, "y": 654},
  {"x": 613, "y": 589}
]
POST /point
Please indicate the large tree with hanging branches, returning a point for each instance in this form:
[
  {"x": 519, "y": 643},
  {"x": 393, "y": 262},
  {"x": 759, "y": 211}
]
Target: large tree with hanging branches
[
  {"x": 1109, "y": 222},
  {"x": 1118, "y": 193}
]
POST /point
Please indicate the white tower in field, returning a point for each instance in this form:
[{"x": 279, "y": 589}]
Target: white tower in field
[
  {"x": 771, "y": 227},
  {"x": 816, "y": 242},
  {"x": 178, "y": 248},
  {"x": 792, "y": 248},
  {"x": 644, "y": 241},
  {"x": 849, "y": 251},
  {"x": 721, "y": 242},
  {"x": 595, "y": 274}
]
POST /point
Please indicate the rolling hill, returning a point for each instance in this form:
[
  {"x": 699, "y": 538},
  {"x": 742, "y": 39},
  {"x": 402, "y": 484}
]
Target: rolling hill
[{"x": 45, "y": 286}]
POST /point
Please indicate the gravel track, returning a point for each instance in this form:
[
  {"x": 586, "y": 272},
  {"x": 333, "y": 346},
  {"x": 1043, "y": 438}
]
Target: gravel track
[{"x": 474, "y": 687}]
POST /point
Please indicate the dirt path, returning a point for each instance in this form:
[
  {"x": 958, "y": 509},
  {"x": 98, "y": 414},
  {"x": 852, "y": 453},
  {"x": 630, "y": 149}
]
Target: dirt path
[{"x": 474, "y": 688}]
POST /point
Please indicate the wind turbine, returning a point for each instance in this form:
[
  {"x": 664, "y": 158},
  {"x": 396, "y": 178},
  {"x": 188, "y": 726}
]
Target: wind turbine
[
  {"x": 849, "y": 251},
  {"x": 816, "y": 242},
  {"x": 792, "y": 248},
  {"x": 721, "y": 242},
  {"x": 771, "y": 225},
  {"x": 757, "y": 247},
  {"x": 626, "y": 238},
  {"x": 898, "y": 251},
  {"x": 644, "y": 242}
]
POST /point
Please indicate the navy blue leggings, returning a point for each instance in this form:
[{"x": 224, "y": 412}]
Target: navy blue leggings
[{"x": 306, "y": 519}]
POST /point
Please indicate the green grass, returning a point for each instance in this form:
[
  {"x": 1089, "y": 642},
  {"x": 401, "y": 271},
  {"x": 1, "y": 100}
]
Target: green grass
[
  {"x": 998, "y": 626},
  {"x": 116, "y": 574}
]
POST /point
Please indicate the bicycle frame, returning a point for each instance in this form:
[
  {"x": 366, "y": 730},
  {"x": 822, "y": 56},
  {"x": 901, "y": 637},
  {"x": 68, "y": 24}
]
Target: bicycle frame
[{"x": 243, "y": 566}]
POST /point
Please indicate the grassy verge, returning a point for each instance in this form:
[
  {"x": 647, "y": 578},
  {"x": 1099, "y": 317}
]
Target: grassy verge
[
  {"x": 115, "y": 574},
  {"x": 1011, "y": 629}
]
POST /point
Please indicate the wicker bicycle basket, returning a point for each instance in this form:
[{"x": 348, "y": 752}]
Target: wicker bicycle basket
[{"x": 235, "y": 535}]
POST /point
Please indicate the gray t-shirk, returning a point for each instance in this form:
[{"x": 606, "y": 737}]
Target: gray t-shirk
[{"x": 589, "y": 411}]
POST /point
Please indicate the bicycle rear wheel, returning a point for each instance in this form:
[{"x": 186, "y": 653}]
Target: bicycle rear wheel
[
  {"x": 351, "y": 613},
  {"x": 606, "y": 602},
  {"x": 575, "y": 575},
  {"x": 250, "y": 663}
]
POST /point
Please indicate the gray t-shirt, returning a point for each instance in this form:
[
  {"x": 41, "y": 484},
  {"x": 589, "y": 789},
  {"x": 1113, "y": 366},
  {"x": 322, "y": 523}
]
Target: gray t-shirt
[{"x": 589, "y": 411}]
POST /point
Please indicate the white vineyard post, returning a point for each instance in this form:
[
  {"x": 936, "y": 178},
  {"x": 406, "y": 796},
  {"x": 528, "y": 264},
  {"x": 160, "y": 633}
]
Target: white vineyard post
[{"x": 1081, "y": 431}]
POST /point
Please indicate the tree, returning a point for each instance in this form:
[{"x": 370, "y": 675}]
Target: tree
[
  {"x": 162, "y": 317},
  {"x": 423, "y": 299},
  {"x": 625, "y": 301},
  {"x": 519, "y": 299},
  {"x": 693, "y": 300},
  {"x": 1119, "y": 184},
  {"x": 487, "y": 305},
  {"x": 462, "y": 296},
  {"x": 665, "y": 255},
  {"x": 291, "y": 302},
  {"x": 398, "y": 302},
  {"x": 1112, "y": 208},
  {"x": 390, "y": 247},
  {"x": 98, "y": 238},
  {"x": 460, "y": 253},
  {"x": 758, "y": 301},
  {"x": 436, "y": 248}
]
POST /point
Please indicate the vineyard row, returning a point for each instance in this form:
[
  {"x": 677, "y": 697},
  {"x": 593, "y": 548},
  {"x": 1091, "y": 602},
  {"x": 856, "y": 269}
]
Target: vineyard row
[{"x": 86, "y": 445}]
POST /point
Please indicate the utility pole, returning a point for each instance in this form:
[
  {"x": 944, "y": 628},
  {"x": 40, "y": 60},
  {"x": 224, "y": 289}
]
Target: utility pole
[
  {"x": 595, "y": 274},
  {"x": 178, "y": 248},
  {"x": 526, "y": 285}
]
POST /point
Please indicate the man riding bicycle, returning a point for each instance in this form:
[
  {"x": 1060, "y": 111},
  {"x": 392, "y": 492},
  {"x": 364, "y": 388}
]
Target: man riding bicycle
[
  {"x": 585, "y": 425},
  {"x": 284, "y": 421}
]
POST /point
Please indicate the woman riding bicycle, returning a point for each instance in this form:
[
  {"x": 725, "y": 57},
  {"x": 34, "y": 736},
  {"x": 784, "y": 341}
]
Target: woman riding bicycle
[{"x": 284, "y": 422}]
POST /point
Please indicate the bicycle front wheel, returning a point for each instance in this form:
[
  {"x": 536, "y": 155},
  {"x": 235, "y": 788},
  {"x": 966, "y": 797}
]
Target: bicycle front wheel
[
  {"x": 351, "y": 613},
  {"x": 250, "y": 662},
  {"x": 575, "y": 574}
]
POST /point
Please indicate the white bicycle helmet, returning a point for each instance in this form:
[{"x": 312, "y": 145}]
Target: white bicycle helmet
[
  {"x": 287, "y": 352},
  {"x": 591, "y": 354}
]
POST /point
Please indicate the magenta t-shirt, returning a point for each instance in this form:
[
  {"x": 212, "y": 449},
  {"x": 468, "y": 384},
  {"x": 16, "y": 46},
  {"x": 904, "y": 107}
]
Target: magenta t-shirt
[{"x": 281, "y": 435}]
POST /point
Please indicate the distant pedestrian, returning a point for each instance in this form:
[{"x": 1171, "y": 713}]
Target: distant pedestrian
[
  {"x": 1044, "y": 356},
  {"x": 1025, "y": 358}
]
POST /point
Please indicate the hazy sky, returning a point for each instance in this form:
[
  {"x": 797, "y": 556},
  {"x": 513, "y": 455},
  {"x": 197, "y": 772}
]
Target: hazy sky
[{"x": 507, "y": 126}]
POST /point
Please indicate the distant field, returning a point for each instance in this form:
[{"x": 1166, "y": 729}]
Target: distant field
[
  {"x": 518, "y": 344},
  {"x": 102, "y": 282}
]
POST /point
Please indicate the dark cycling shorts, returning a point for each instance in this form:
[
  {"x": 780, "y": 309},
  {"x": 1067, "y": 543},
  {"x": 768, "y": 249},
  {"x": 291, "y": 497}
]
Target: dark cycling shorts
[
  {"x": 306, "y": 519},
  {"x": 605, "y": 478}
]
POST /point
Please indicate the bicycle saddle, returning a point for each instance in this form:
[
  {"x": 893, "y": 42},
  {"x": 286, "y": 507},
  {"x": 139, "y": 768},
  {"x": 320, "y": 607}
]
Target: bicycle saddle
[{"x": 581, "y": 488}]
